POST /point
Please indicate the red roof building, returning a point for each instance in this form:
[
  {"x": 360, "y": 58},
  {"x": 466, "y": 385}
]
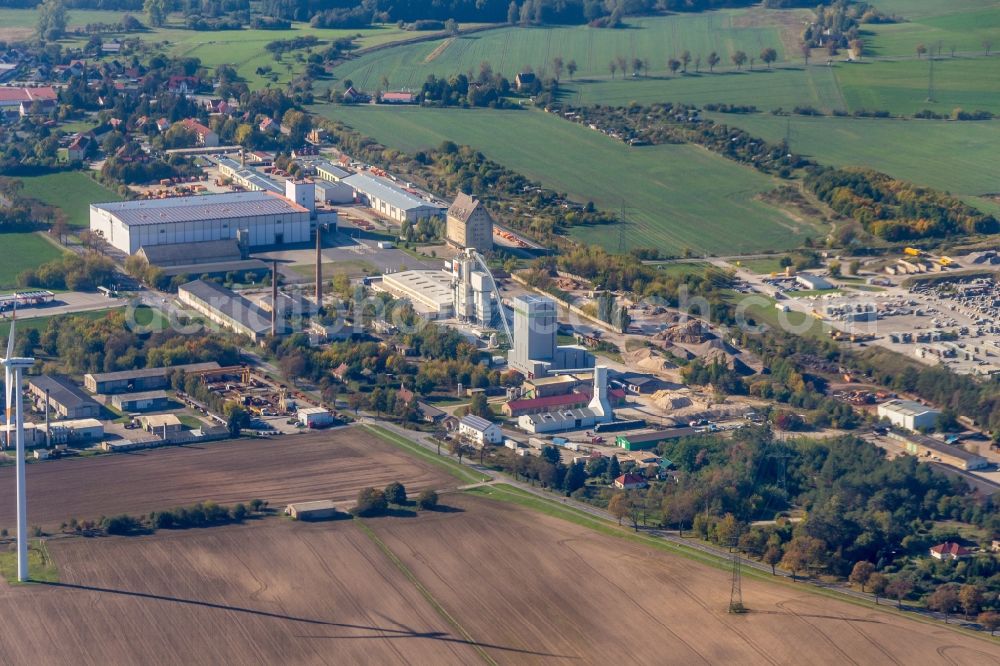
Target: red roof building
[
  {"x": 14, "y": 97},
  {"x": 398, "y": 98},
  {"x": 545, "y": 404},
  {"x": 630, "y": 482},
  {"x": 950, "y": 550}
]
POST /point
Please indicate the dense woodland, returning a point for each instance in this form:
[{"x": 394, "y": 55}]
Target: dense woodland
[{"x": 896, "y": 210}]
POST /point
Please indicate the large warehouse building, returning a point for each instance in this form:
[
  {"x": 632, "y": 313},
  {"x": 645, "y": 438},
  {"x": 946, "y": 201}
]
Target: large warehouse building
[
  {"x": 140, "y": 380},
  {"x": 269, "y": 219},
  {"x": 227, "y": 308},
  {"x": 909, "y": 414},
  {"x": 390, "y": 200}
]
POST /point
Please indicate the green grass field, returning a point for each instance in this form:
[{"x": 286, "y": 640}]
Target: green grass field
[
  {"x": 21, "y": 252},
  {"x": 785, "y": 87},
  {"x": 959, "y": 157},
  {"x": 509, "y": 50},
  {"x": 676, "y": 196},
  {"x": 41, "y": 567},
  {"x": 901, "y": 87},
  {"x": 959, "y": 24},
  {"x": 73, "y": 191}
]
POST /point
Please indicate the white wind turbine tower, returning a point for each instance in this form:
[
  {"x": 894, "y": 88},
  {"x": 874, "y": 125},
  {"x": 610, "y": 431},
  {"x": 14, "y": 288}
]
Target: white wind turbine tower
[{"x": 14, "y": 368}]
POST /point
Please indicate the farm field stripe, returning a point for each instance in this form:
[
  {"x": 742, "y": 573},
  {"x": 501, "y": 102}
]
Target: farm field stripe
[{"x": 424, "y": 592}]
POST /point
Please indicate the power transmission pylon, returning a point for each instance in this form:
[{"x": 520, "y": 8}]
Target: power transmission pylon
[
  {"x": 736, "y": 589},
  {"x": 930, "y": 80}
]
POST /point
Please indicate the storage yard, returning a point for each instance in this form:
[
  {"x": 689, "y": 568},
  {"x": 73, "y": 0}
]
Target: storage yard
[
  {"x": 330, "y": 465},
  {"x": 222, "y": 591}
]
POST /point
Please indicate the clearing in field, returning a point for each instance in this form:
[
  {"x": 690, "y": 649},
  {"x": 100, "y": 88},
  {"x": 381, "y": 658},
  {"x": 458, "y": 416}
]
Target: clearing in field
[
  {"x": 509, "y": 50},
  {"x": 333, "y": 464},
  {"x": 484, "y": 581},
  {"x": 72, "y": 191},
  {"x": 959, "y": 157},
  {"x": 675, "y": 196},
  {"x": 22, "y": 251}
]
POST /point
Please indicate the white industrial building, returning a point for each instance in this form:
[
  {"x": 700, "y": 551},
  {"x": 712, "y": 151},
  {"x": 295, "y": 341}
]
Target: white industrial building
[
  {"x": 473, "y": 291},
  {"x": 388, "y": 199},
  {"x": 268, "y": 219},
  {"x": 557, "y": 421},
  {"x": 315, "y": 417},
  {"x": 813, "y": 282},
  {"x": 480, "y": 431},
  {"x": 330, "y": 172},
  {"x": 909, "y": 414},
  {"x": 429, "y": 291}
]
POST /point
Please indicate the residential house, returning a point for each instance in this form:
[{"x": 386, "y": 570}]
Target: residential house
[
  {"x": 206, "y": 137},
  {"x": 524, "y": 79},
  {"x": 630, "y": 482},
  {"x": 479, "y": 430},
  {"x": 183, "y": 85},
  {"x": 269, "y": 126},
  {"x": 355, "y": 96},
  {"x": 950, "y": 551},
  {"x": 81, "y": 147}
]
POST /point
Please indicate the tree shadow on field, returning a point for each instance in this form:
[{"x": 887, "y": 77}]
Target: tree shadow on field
[{"x": 379, "y": 633}]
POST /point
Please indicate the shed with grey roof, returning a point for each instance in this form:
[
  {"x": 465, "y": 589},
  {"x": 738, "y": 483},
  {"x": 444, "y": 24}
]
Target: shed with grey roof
[
  {"x": 388, "y": 199},
  {"x": 226, "y": 308}
]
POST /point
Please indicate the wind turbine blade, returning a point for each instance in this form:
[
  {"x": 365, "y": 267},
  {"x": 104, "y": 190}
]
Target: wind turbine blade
[
  {"x": 10, "y": 399},
  {"x": 13, "y": 326}
]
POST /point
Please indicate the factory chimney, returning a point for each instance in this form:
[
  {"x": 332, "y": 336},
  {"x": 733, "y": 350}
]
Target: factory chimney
[
  {"x": 599, "y": 404},
  {"x": 319, "y": 268},
  {"x": 274, "y": 298}
]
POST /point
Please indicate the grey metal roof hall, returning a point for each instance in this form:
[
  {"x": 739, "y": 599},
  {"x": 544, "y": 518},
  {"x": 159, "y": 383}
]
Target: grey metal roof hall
[
  {"x": 230, "y": 304},
  {"x": 197, "y": 208},
  {"x": 391, "y": 194},
  {"x": 61, "y": 390}
]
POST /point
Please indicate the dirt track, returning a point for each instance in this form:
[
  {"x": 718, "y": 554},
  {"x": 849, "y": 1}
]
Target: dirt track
[{"x": 325, "y": 465}]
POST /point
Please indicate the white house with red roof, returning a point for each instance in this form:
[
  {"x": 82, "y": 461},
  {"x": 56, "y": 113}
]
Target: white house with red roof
[
  {"x": 206, "y": 137},
  {"x": 950, "y": 551},
  {"x": 630, "y": 482}
]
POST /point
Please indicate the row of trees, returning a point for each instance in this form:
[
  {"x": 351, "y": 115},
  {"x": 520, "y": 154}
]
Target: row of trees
[
  {"x": 375, "y": 502},
  {"x": 202, "y": 514}
]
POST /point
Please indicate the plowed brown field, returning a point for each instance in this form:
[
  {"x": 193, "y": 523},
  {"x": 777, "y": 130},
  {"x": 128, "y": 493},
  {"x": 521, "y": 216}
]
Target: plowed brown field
[
  {"x": 522, "y": 587},
  {"x": 272, "y": 593},
  {"x": 527, "y": 581},
  {"x": 334, "y": 464}
]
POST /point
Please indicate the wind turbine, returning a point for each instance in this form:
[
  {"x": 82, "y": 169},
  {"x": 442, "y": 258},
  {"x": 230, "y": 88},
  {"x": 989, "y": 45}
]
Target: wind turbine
[{"x": 14, "y": 368}]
